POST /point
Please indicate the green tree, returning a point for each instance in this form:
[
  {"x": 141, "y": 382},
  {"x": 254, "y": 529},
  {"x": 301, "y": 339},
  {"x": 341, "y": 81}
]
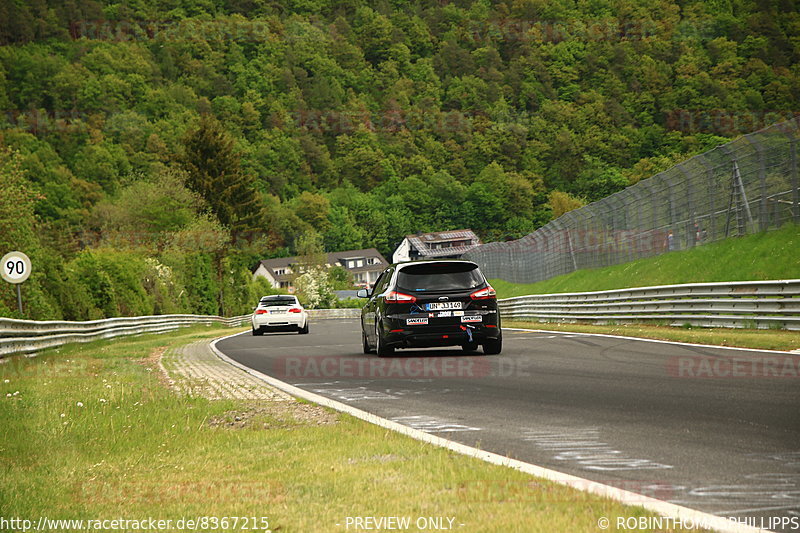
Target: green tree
[
  {"x": 18, "y": 231},
  {"x": 213, "y": 169},
  {"x": 562, "y": 202}
]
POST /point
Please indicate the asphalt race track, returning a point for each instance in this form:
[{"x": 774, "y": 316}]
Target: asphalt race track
[{"x": 712, "y": 429}]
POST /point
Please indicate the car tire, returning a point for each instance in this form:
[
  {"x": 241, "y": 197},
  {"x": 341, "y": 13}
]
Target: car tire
[
  {"x": 470, "y": 347},
  {"x": 381, "y": 349},
  {"x": 365, "y": 343},
  {"x": 493, "y": 346},
  {"x": 257, "y": 332},
  {"x": 304, "y": 329}
]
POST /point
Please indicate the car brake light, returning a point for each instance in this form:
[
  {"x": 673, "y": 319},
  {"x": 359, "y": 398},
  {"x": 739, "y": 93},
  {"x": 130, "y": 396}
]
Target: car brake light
[
  {"x": 486, "y": 293},
  {"x": 295, "y": 310},
  {"x": 395, "y": 297},
  {"x": 261, "y": 311}
]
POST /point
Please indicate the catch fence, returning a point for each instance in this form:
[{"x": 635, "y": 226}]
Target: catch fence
[{"x": 745, "y": 186}]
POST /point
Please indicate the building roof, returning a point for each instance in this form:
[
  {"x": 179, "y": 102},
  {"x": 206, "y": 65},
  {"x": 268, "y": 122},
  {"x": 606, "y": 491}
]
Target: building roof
[
  {"x": 422, "y": 242},
  {"x": 336, "y": 258},
  {"x": 333, "y": 258}
]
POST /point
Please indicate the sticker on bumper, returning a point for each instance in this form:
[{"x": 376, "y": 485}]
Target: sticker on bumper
[
  {"x": 416, "y": 321},
  {"x": 445, "y": 314},
  {"x": 476, "y": 318}
]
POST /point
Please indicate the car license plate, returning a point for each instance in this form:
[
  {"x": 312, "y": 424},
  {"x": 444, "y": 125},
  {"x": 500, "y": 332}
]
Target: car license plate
[{"x": 442, "y": 306}]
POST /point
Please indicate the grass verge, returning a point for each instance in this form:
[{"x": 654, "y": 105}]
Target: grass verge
[
  {"x": 763, "y": 256},
  {"x": 91, "y": 432},
  {"x": 742, "y": 338}
]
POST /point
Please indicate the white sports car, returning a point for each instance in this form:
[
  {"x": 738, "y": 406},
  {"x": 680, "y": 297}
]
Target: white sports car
[{"x": 279, "y": 313}]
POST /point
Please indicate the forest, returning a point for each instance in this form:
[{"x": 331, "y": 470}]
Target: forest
[{"x": 152, "y": 151}]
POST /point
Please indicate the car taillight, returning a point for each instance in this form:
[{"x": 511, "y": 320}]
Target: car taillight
[
  {"x": 295, "y": 310},
  {"x": 395, "y": 297},
  {"x": 487, "y": 293},
  {"x": 261, "y": 311}
]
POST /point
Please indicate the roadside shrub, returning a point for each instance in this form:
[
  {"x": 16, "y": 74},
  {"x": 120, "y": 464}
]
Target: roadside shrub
[{"x": 113, "y": 281}]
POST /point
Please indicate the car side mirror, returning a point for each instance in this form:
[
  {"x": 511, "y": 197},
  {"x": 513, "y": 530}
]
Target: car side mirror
[{"x": 362, "y": 293}]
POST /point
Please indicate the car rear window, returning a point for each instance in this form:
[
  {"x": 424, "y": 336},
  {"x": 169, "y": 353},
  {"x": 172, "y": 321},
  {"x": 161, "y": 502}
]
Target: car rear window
[
  {"x": 440, "y": 277},
  {"x": 274, "y": 302}
]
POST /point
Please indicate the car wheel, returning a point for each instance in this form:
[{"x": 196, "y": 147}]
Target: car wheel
[
  {"x": 381, "y": 349},
  {"x": 304, "y": 329},
  {"x": 365, "y": 343},
  {"x": 470, "y": 347},
  {"x": 257, "y": 332},
  {"x": 493, "y": 346}
]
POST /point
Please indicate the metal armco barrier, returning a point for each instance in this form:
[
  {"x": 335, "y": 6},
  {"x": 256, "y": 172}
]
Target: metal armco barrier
[
  {"x": 28, "y": 336},
  {"x": 334, "y": 313},
  {"x": 752, "y": 304}
]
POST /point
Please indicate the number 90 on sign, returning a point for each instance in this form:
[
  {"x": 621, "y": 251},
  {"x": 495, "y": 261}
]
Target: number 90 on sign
[{"x": 16, "y": 267}]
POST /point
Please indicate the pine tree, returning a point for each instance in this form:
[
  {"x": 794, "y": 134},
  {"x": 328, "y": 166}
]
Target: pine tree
[{"x": 214, "y": 172}]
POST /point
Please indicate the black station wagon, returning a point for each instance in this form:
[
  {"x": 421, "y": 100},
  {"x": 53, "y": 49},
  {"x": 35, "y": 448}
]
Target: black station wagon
[{"x": 430, "y": 303}]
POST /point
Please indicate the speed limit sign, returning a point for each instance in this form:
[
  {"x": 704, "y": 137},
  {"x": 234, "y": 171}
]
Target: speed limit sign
[{"x": 16, "y": 267}]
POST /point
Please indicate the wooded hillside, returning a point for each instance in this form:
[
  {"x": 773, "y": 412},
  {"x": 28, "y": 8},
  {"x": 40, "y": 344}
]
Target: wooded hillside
[{"x": 152, "y": 151}]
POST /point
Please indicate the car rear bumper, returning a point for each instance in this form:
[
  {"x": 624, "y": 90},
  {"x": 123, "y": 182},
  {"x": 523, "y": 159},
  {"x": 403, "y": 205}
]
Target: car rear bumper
[
  {"x": 279, "y": 322},
  {"x": 399, "y": 333}
]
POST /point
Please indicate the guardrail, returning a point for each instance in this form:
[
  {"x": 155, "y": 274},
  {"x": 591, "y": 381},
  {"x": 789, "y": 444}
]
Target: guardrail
[
  {"x": 752, "y": 304},
  {"x": 28, "y": 336},
  {"x": 345, "y": 312}
]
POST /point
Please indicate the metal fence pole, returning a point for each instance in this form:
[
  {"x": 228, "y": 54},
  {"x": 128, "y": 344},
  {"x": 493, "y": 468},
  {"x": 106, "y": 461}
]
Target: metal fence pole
[
  {"x": 691, "y": 233},
  {"x": 762, "y": 181},
  {"x": 711, "y": 189},
  {"x": 795, "y": 185}
]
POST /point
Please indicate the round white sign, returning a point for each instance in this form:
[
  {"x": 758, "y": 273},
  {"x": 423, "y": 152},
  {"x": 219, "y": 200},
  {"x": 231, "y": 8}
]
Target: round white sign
[{"x": 15, "y": 267}]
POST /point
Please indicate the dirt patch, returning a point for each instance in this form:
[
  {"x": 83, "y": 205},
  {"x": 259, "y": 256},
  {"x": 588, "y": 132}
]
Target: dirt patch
[
  {"x": 153, "y": 364},
  {"x": 274, "y": 415}
]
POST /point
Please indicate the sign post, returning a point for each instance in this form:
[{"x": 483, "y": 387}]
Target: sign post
[{"x": 15, "y": 267}]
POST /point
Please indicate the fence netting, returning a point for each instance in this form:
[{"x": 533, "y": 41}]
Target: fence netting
[{"x": 745, "y": 186}]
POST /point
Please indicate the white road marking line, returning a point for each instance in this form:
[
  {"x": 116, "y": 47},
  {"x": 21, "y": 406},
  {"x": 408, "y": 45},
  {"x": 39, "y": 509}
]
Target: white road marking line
[
  {"x": 356, "y": 394},
  {"x": 430, "y": 424},
  {"x": 650, "y": 340},
  {"x": 760, "y": 509},
  {"x": 583, "y": 446}
]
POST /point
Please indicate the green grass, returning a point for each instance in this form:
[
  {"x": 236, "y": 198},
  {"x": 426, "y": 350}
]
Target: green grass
[
  {"x": 764, "y": 256},
  {"x": 91, "y": 432},
  {"x": 742, "y": 338}
]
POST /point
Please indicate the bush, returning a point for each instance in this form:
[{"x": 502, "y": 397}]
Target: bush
[{"x": 113, "y": 281}]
